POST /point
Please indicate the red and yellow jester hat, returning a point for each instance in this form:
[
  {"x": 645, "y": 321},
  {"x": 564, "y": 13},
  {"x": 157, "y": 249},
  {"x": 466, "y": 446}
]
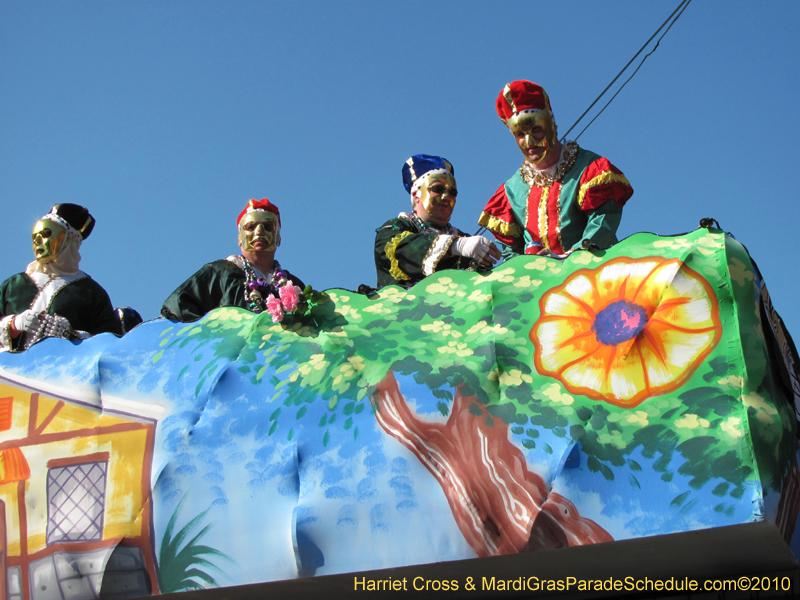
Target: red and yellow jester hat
[
  {"x": 262, "y": 204},
  {"x": 520, "y": 97},
  {"x": 526, "y": 104}
]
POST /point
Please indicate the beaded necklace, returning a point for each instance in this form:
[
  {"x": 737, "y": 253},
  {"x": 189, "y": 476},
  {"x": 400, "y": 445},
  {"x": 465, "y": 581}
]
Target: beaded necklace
[
  {"x": 541, "y": 179},
  {"x": 257, "y": 288},
  {"x": 425, "y": 228}
]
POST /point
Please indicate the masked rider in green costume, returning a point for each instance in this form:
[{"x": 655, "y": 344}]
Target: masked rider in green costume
[
  {"x": 53, "y": 297},
  {"x": 247, "y": 280},
  {"x": 414, "y": 245}
]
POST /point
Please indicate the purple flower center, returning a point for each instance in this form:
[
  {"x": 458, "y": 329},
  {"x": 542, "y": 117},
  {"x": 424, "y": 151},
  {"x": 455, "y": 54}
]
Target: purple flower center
[{"x": 619, "y": 322}]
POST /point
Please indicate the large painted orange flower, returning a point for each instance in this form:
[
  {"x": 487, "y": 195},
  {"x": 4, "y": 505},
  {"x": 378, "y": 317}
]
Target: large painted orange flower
[{"x": 627, "y": 330}]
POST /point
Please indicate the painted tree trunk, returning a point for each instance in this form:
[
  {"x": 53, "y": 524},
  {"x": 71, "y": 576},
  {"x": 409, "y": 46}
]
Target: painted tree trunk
[{"x": 500, "y": 506}]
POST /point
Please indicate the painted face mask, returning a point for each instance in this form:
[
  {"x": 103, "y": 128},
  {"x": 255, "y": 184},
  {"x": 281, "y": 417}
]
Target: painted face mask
[
  {"x": 438, "y": 195},
  {"x": 48, "y": 240},
  {"x": 259, "y": 225},
  {"x": 527, "y": 127}
]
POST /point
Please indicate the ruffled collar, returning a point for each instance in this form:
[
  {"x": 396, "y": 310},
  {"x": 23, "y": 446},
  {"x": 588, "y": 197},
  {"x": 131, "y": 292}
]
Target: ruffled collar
[{"x": 547, "y": 177}]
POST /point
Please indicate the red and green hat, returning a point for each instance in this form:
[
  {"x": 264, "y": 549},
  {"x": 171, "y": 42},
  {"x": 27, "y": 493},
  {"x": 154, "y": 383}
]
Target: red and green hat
[
  {"x": 520, "y": 97},
  {"x": 262, "y": 204}
]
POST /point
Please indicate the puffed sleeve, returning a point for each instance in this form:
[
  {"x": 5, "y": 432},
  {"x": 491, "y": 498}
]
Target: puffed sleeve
[
  {"x": 202, "y": 292},
  {"x": 498, "y": 218},
  {"x": 404, "y": 256},
  {"x": 103, "y": 318},
  {"x": 601, "y": 181}
]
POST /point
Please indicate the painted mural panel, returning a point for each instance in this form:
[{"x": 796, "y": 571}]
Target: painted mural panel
[
  {"x": 639, "y": 391},
  {"x": 74, "y": 483}
]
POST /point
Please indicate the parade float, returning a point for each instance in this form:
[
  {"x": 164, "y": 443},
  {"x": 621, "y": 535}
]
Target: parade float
[{"x": 623, "y": 412}]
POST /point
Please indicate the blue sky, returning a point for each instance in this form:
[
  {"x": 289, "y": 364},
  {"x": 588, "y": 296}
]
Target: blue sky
[{"x": 164, "y": 118}]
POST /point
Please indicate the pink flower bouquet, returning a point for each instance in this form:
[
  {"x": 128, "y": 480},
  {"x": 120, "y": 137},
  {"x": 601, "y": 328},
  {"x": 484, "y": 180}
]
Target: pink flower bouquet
[
  {"x": 290, "y": 295},
  {"x": 275, "y": 309}
]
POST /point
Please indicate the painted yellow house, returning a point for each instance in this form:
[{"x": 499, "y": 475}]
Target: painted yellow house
[{"x": 75, "y": 509}]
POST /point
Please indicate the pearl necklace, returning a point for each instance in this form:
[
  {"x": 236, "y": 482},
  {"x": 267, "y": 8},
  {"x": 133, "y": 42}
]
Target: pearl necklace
[
  {"x": 49, "y": 326},
  {"x": 541, "y": 179}
]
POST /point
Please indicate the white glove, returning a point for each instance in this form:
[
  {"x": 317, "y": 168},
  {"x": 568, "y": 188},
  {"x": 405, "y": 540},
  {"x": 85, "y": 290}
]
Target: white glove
[
  {"x": 27, "y": 321},
  {"x": 475, "y": 246}
]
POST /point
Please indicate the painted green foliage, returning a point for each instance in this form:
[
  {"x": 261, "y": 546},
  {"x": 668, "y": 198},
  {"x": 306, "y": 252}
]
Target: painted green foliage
[
  {"x": 183, "y": 561},
  {"x": 478, "y": 332},
  {"x": 769, "y": 410}
]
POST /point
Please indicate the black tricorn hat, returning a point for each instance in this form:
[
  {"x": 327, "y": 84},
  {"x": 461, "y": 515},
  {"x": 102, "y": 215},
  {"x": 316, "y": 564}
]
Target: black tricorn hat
[{"x": 77, "y": 216}]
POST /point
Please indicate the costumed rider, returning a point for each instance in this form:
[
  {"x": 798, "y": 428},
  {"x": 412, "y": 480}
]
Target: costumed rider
[
  {"x": 53, "y": 297},
  {"x": 247, "y": 280},
  {"x": 416, "y": 244},
  {"x": 563, "y": 197}
]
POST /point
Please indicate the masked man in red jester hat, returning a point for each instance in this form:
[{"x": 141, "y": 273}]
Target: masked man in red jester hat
[
  {"x": 563, "y": 197},
  {"x": 249, "y": 280}
]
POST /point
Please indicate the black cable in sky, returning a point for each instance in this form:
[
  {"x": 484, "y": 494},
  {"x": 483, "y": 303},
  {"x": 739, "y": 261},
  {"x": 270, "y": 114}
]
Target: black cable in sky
[
  {"x": 632, "y": 74},
  {"x": 681, "y": 7}
]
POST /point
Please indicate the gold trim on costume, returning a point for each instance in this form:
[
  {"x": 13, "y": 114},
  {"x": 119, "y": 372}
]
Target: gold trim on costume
[
  {"x": 59, "y": 288},
  {"x": 543, "y": 217},
  {"x": 497, "y": 225},
  {"x": 86, "y": 224},
  {"x": 509, "y": 99},
  {"x": 603, "y": 178},
  {"x": 558, "y": 212},
  {"x": 435, "y": 253},
  {"x": 390, "y": 249},
  {"x": 5, "y": 333},
  {"x": 410, "y": 163}
]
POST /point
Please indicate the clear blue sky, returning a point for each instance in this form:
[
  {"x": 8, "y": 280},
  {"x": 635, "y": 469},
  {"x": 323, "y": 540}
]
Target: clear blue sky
[{"x": 163, "y": 118}]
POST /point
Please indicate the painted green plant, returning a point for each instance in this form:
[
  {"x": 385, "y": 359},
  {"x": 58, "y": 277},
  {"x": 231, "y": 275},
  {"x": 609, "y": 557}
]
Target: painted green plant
[{"x": 184, "y": 566}]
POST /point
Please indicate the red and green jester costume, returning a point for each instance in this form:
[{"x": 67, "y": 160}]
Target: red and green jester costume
[{"x": 582, "y": 201}]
